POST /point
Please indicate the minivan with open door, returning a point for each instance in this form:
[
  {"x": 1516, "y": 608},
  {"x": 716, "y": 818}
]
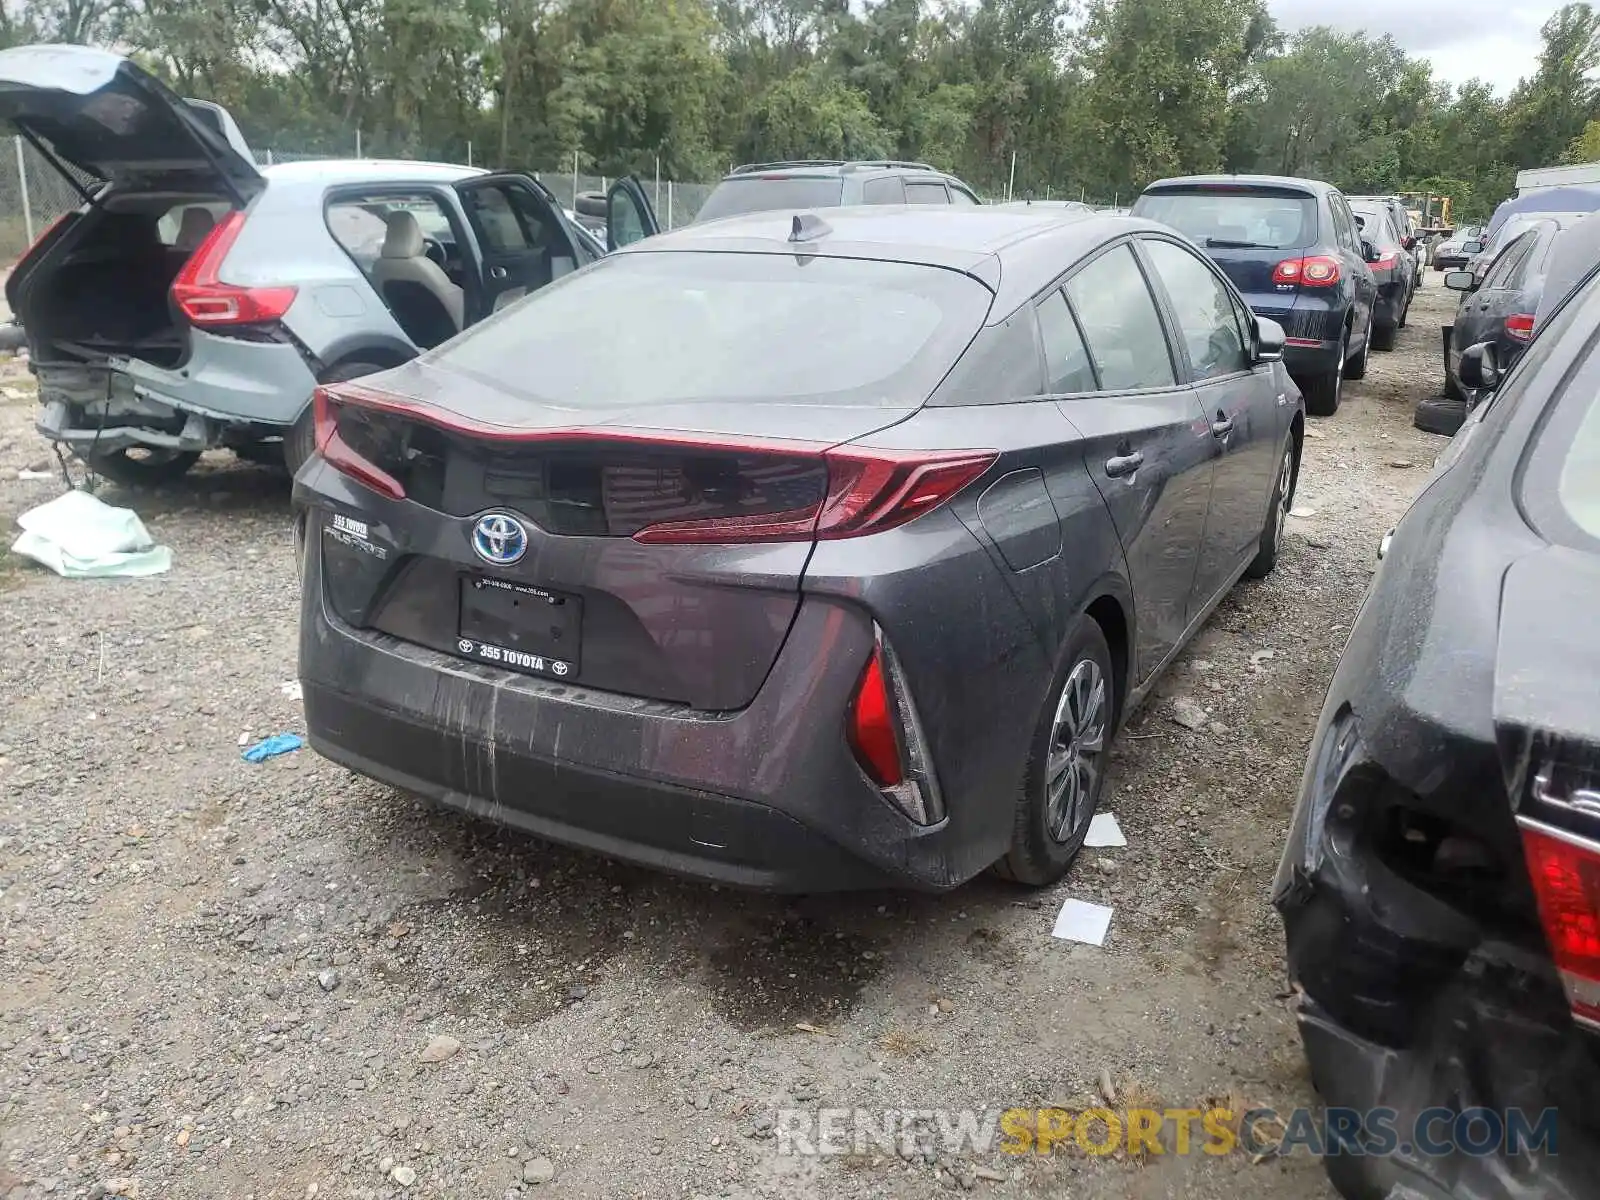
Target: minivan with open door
[{"x": 194, "y": 301}]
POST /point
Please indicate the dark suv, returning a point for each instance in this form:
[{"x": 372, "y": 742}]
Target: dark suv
[
  {"x": 801, "y": 186},
  {"x": 1293, "y": 248}
]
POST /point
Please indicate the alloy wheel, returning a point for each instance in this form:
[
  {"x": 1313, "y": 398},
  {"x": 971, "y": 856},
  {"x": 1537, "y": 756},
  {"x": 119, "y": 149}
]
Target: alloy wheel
[
  {"x": 1077, "y": 741},
  {"x": 1285, "y": 492}
]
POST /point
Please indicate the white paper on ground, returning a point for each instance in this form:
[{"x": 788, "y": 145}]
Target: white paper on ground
[
  {"x": 1103, "y": 832},
  {"x": 1080, "y": 921},
  {"x": 78, "y": 536}
]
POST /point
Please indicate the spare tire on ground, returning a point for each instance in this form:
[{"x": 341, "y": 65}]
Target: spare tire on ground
[
  {"x": 1440, "y": 414},
  {"x": 590, "y": 204}
]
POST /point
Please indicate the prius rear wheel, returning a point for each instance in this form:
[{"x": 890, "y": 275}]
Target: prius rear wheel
[{"x": 1066, "y": 763}]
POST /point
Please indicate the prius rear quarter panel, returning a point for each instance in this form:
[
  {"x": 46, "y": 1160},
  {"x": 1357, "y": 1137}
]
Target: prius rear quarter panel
[{"x": 977, "y": 637}]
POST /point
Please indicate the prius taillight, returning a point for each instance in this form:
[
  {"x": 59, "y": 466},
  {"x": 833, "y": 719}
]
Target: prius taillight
[
  {"x": 885, "y": 733},
  {"x": 1565, "y": 871},
  {"x": 659, "y": 487}
]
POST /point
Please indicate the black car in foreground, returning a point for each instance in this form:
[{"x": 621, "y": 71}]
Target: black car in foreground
[
  {"x": 797, "y": 550},
  {"x": 1440, "y": 889},
  {"x": 1291, "y": 246}
]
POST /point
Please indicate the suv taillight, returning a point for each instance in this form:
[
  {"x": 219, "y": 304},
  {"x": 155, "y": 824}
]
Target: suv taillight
[
  {"x": 206, "y": 300},
  {"x": 1318, "y": 270},
  {"x": 1520, "y": 326},
  {"x": 1565, "y": 870},
  {"x": 886, "y": 735}
]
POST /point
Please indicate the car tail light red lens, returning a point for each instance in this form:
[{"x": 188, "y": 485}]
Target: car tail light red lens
[
  {"x": 872, "y": 733},
  {"x": 1319, "y": 270},
  {"x": 760, "y": 490},
  {"x": 1520, "y": 326},
  {"x": 328, "y": 411},
  {"x": 886, "y": 735},
  {"x": 869, "y": 491},
  {"x": 1565, "y": 871},
  {"x": 1387, "y": 260},
  {"x": 205, "y": 300}
]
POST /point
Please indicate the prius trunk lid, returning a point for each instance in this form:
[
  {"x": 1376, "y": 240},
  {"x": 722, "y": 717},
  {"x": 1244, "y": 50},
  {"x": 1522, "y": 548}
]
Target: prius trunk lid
[
  {"x": 570, "y": 496},
  {"x": 650, "y": 561},
  {"x": 108, "y": 119}
]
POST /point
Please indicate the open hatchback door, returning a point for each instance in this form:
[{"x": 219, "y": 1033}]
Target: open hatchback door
[{"x": 112, "y": 121}]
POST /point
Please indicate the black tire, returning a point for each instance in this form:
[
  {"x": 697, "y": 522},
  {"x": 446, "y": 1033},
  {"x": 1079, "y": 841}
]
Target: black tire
[
  {"x": 1323, "y": 392},
  {"x": 1045, "y": 838},
  {"x": 300, "y": 440},
  {"x": 1440, "y": 414},
  {"x": 1277, "y": 515},
  {"x": 589, "y": 204},
  {"x": 1356, "y": 368},
  {"x": 142, "y": 467},
  {"x": 1382, "y": 338}
]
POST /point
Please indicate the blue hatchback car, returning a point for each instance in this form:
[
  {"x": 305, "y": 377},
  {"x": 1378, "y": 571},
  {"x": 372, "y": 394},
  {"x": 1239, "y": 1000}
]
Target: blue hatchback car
[{"x": 1293, "y": 247}]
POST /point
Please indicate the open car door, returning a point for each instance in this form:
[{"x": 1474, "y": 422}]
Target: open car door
[
  {"x": 523, "y": 239},
  {"x": 629, "y": 215}
]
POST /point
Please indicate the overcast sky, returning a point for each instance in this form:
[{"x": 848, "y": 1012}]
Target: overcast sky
[{"x": 1493, "y": 40}]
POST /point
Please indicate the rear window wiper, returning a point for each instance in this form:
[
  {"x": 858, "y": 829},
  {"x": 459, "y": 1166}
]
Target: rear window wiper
[{"x": 1229, "y": 244}]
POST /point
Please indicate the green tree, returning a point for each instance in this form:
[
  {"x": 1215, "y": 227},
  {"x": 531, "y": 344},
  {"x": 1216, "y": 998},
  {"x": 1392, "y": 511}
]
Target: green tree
[
  {"x": 1585, "y": 148},
  {"x": 1549, "y": 110},
  {"x": 1162, "y": 79},
  {"x": 811, "y": 113}
]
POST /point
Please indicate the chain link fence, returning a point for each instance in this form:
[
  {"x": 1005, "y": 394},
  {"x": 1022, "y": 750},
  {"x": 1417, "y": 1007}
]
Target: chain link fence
[{"x": 33, "y": 195}]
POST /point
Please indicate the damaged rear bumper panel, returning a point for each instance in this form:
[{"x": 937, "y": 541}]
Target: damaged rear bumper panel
[
  {"x": 123, "y": 402},
  {"x": 1415, "y": 1009},
  {"x": 764, "y": 797}
]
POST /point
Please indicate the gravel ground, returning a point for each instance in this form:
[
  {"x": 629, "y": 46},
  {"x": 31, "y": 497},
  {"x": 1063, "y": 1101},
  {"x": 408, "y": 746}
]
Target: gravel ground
[{"x": 225, "y": 980}]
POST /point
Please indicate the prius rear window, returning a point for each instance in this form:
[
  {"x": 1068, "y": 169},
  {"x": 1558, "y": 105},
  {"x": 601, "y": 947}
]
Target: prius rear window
[{"x": 662, "y": 328}]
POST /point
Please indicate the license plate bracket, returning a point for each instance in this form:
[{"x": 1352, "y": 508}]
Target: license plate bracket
[{"x": 520, "y": 627}]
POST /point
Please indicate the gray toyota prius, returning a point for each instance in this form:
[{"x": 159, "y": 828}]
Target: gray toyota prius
[{"x": 796, "y": 551}]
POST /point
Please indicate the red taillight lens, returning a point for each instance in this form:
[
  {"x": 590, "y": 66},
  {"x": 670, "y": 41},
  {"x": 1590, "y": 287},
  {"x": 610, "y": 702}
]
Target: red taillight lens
[
  {"x": 1520, "y": 326},
  {"x": 205, "y": 300},
  {"x": 1317, "y": 271},
  {"x": 798, "y": 490},
  {"x": 868, "y": 491},
  {"x": 872, "y": 726},
  {"x": 1566, "y": 881},
  {"x": 325, "y": 410},
  {"x": 1387, "y": 259}
]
